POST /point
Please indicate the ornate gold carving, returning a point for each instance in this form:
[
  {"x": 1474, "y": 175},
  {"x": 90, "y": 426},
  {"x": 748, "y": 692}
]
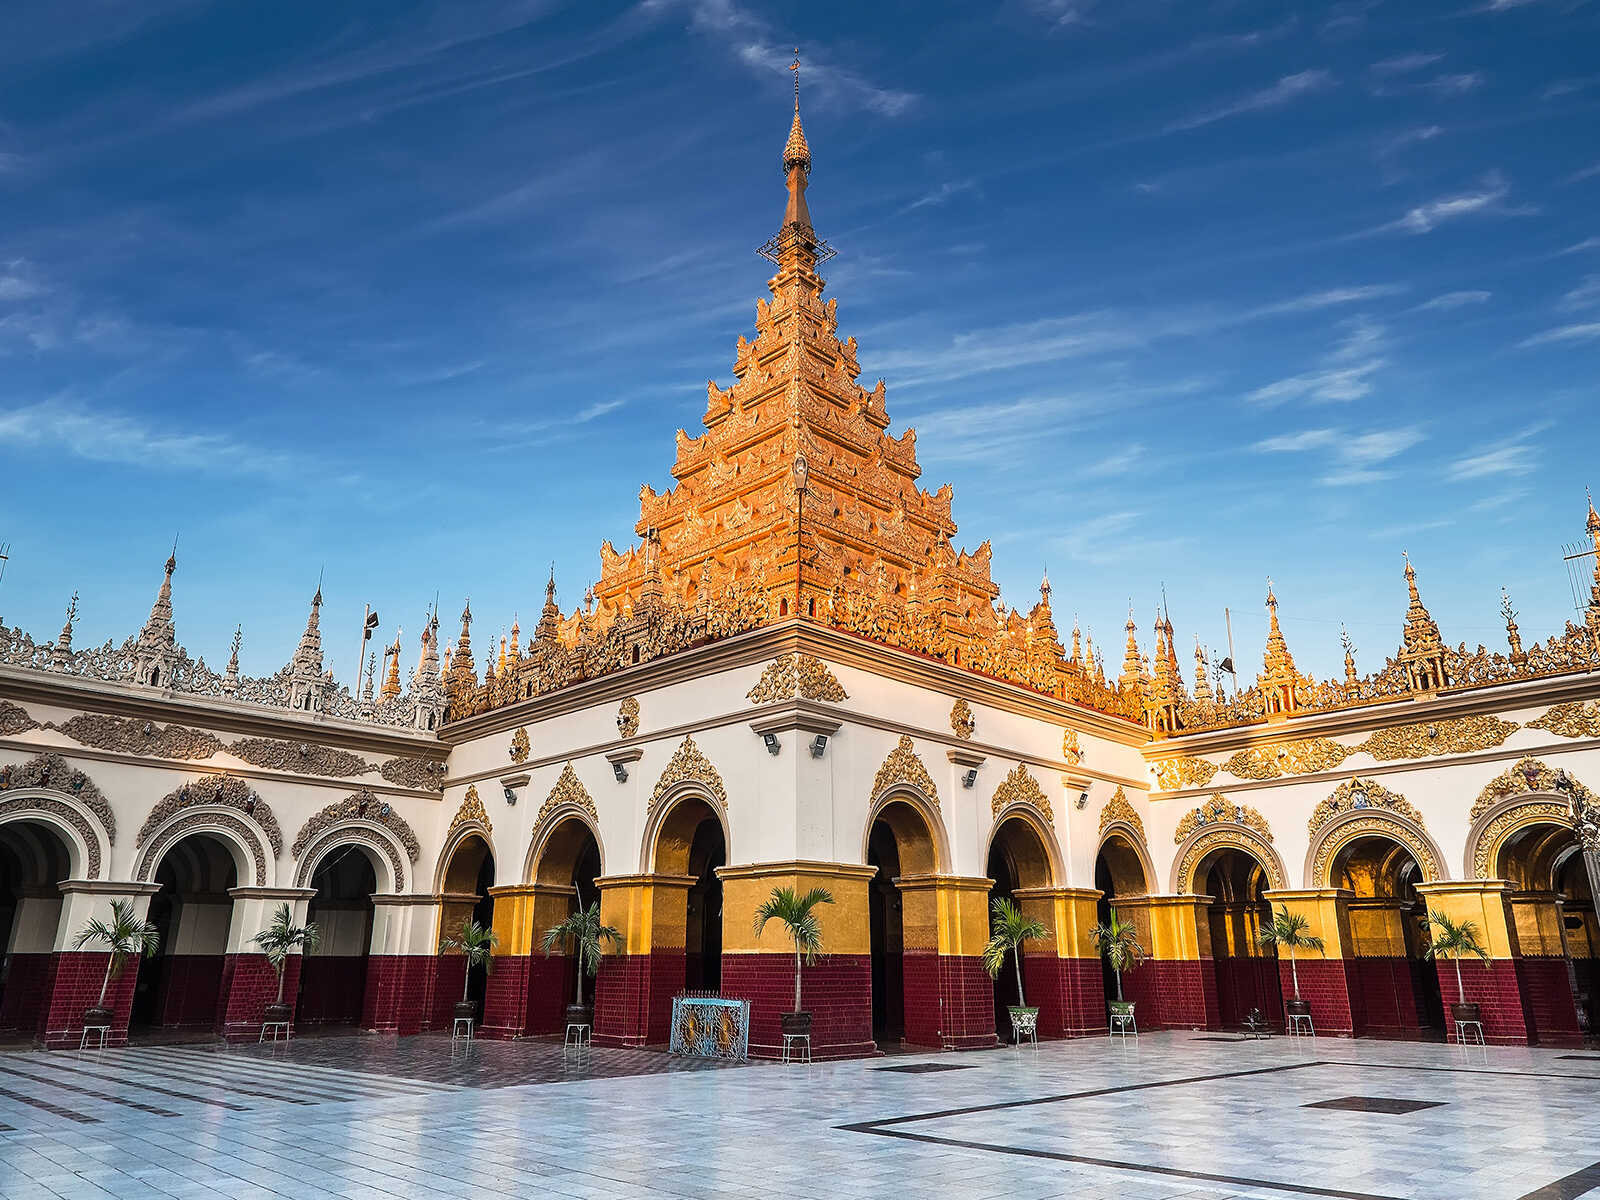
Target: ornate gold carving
[
  {"x": 471, "y": 811},
  {"x": 1219, "y": 810},
  {"x": 305, "y": 758},
  {"x": 520, "y": 746},
  {"x": 1020, "y": 787},
  {"x": 1575, "y": 719},
  {"x": 1358, "y": 794},
  {"x": 628, "y": 717},
  {"x": 139, "y": 737},
  {"x": 49, "y": 770},
  {"x": 14, "y": 719},
  {"x": 1378, "y": 825},
  {"x": 962, "y": 720},
  {"x": 1299, "y": 757},
  {"x": 1118, "y": 809},
  {"x": 904, "y": 767},
  {"x": 568, "y": 789},
  {"x": 358, "y": 806},
  {"x": 687, "y": 765},
  {"x": 1070, "y": 749},
  {"x": 1175, "y": 773},
  {"x": 1424, "y": 739},
  {"x": 219, "y": 791},
  {"x": 791, "y": 675},
  {"x": 1532, "y": 812},
  {"x": 1531, "y": 775},
  {"x": 1228, "y": 836},
  {"x": 414, "y": 773}
]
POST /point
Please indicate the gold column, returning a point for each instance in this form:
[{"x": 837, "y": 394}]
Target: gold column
[
  {"x": 1070, "y": 913},
  {"x": 523, "y": 911},
  {"x": 846, "y": 926},
  {"x": 649, "y": 910},
  {"x": 947, "y": 913}
]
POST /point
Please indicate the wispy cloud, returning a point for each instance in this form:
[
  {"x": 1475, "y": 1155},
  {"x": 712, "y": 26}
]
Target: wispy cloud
[
  {"x": 1410, "y": 137},
  {"x": 1569, "y": 87},
  {"x": 1404, "y": 63},
  {"x": 1453, "y": 300},
  {"x": 1330, "y": 298},
  {"x": 1587, "y": 332},
  {"x": 941, "y": 195},
  {"x": 1344, "y": 373},
  {"x": 1062, "y": 14},
  {"x": 1488, "y": 200},
  {"x": 1579, "y": 176},
  {"x": 18, "y": 281},
  {"x": 1352, "y": 458},
  {"x": 66, "y": 427},
  {"x": 1517, "y": 456},
  {"x": 1119, "y": 463},
  {"x": 1585, "y": 295},
  {"x": 1583, "y": 247},
  {"x": 1287, "y": 90}
]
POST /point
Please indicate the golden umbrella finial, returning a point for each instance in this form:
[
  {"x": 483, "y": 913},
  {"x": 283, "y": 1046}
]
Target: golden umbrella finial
[{"x": 795, "y": 67}]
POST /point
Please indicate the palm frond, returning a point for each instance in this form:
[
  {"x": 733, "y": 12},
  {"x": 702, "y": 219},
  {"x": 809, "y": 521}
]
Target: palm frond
[
  {"x": 797, "y": 914},
  {"x": 1009, "y": 927},
  {"x": 1288, "y": 930},
  {"x": 1453, "y": 939},
  {"x": 476, "y": 943}
]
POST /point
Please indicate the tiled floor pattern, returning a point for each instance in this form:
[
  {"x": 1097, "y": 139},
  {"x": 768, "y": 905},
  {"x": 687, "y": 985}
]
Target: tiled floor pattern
[{"x": 1167, "y": 1116}]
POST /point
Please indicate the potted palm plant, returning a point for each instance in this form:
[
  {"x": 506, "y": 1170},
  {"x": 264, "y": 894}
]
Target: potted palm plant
[
  {"x": 1288, "y": 931},
  {"x": 587, "y": 936},
  {"x": 1009, "y": 927},
  {"x": 1119, "y": 942},
  {"x": 798, "y": 916},
  {"x": 281, "y": 938},
  {"x": 1455, "y": 940},
  {"x": 476, "y": 944},
  {"x": 125, "y": 936}
]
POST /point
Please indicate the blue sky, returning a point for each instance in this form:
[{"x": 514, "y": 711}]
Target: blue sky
[{"x": 1181, "y": 293}]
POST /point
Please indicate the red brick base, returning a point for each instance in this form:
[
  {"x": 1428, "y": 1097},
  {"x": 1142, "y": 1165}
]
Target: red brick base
[
  {"x": 836, "y": 990},
  {"x": 1173, "y": 993},
  {"x": 1325, "y": 984},
  {"x": 188, "y": 989},
  {"x": 331, "y": 989},
  {"x": 249, "y": 984},
  {"x": 949, "y": 1000},
  {"x": 633, "y": 997},
  {"x": 505, "y": 1000},
  {"x": 399, "y": 996},
  {"x": 1068, "y": 993},
  {"x": 74, "y": 985},
  {"x": 1547, "y": 1001},
  {"x": 1493, "y": 987},
  {"x": 27, "y": 991},
  {"x": 552, "y": 984}
]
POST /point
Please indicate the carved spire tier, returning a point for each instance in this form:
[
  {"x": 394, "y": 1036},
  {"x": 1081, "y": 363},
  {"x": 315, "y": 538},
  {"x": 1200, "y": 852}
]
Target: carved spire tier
[
  {"x": 1422, "y": 652},
  {"x": 156, "y": 648}
]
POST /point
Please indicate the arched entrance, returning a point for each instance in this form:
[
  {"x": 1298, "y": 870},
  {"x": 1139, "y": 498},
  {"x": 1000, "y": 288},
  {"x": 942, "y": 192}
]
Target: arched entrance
[
  {"x": 1551, "y": 904},
  {"x": 34, "y": 860},
  {"x": 333, "y": 977},
  {"x": 691, "y": 844},
  {"x": 1121, "y": 878},
  {"x": 181, "y": 988},
  {"x": 1246, "y": 974},
  {"x": 465, "y": 897},
  {"x": 566, "y": 866},
  {"x": 1394, "y": 989},
  {"x": 899, "y": 843},
  {"x": 1018, "y": 859}
]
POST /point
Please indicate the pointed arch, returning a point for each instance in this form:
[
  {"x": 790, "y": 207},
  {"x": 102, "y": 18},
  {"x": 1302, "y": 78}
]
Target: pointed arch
[
  {"x": 1207, "y": 840},
  {"x": 1049, "y": 863},
  {"x": 50, "y": 790},
  {"x": 1527, "y": 793}
]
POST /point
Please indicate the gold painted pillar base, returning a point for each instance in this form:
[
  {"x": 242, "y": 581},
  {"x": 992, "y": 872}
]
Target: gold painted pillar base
[
  {"x": 633, "y": 994},
  {"x": 1491, "y": 984},
  {"x": 1062, "y": 973},
  {"x": 949, "y": 998}
]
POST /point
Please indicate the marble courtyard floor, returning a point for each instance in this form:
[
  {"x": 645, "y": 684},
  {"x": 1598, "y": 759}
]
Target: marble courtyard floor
[{"x": 1175, "y": 1114}]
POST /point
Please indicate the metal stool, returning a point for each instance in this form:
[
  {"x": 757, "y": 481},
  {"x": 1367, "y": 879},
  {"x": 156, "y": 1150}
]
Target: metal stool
[
  {"x": 275, "y": 1027},
  {"x": 1122, "y": 1022},
  {"x": 579, "y": 1037},
  {"x": 1294, "y": 1025},
  {"x": 792, "y": 1043},
  {"x": 1025, "y": 1024},
  {"x": 1463, "y": 1028},
  {"x": 103, "y": 1030},
  {"x": 461, "y": 1030}
]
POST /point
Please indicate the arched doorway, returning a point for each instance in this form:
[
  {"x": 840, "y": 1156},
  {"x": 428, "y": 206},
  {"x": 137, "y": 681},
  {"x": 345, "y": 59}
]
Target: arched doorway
[
  {"x": 692, "y": 844},
  {"x": 333, "y": 977},
  {"x": 181, "y": 988},
  {"x": 1246, "y": 974},
  {"x": 1124, "y": 885},
  {"x": 1394, "y": 988},
  {"x": 1551, "y": 905},
  {"x": 34, "y": 860},
  {"x": 566, "y": 868},
  {"x": 1018, "y": 859},
  {"x": 467, "y": 880},
  {"x": 900, "y": 843}
]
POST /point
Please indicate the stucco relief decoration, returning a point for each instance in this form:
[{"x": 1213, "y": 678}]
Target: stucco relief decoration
[
  {"x": 1453, "y": 735},
  {"x": 1118, "y": 809},
  {"x": 628, "y": 717},
  {"x": 358, "y": 806},
  {"x": 1562, "y": 800},
  {"x": 1020, "y": 787},
  {"x": 1357, "y": 794},
  {"x": 796, "y": 675},
  {"x": 904, "y": 767},
  {"x": 15, "y": 719},
  {"x": 420, "y": 773},
  {"x": 183, "y": 826},
  {"x": 962, "y": 720},
  {"x": 569, "y": 789},
  {"x": 1070, "y": 749},
  {"x": 1299, "y": 757},
  {"x": 1219, "y": 810},
  {"x": 1175, "y": 773},
  {"x": 1576, "y": 719},
  {"x": 1531, "y": 812},
  {"x": 139, "y": 737},
  {"x": 218, "y": 791},
  {"x": 520, "y": 746},
  {"x": 687, "y": 765},
  {"x": 348, "y": 836},
  {"x": 305, "y": 758},
  {"x": 64, "y": 812},
  {"x": 57, "y": 774},
  {"x": 1222, "y": 838},
  {"x": 470, "y": 812},
  {"x": 1531, "y": 775}
]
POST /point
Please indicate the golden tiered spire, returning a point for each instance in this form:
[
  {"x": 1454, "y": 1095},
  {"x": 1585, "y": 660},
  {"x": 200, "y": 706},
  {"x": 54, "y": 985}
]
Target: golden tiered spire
[
  {"x": 1202, "y": 685},
  {"x": 1513, "y": 636},
  {"x": 462, "y": 674},
  {"x": 1279, "y": 678},
  {"x": 1422, "y": 651},
  {"x": 1132, "y": 677},
  {"x": 1349, "y": 657},
  {"x": 796, "y": 160},
  {"x": 391, "y": 675},
  {"x": 1593, "y": 615}
]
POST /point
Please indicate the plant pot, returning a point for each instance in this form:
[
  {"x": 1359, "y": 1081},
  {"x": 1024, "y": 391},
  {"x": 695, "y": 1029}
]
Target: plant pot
[
  {"x": 1024, "y": 1019},
  {"x": 796, "y": 1023},
  {"x": 580, "y": 1014},
  {"x": 1466, "y": 1012},
  {"x": 1120, "y": 1008},
  {"x": 276, "y": 1014},
  {"x": 466, "y": 1010},
  {"x": 1297, "y": 1008},
  {"x": 96, "y": 1016}
]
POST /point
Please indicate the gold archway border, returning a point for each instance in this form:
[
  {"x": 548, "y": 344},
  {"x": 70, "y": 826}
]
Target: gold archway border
[
  {"x": 1490, "y": 833},
  {"x": 1337, "y": 833},
  {"x": 688, "y": 764},
  {"x": 471, "y": 820},
  {"x": 1225, "y": 836},
  {"x": 1036, "y": 821},
  {"x": 568, "y": 800},
  {"x": 1526, "y": 793}
]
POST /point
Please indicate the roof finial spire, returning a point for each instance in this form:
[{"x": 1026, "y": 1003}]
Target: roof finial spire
[{"x": 795, "y": 67}]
